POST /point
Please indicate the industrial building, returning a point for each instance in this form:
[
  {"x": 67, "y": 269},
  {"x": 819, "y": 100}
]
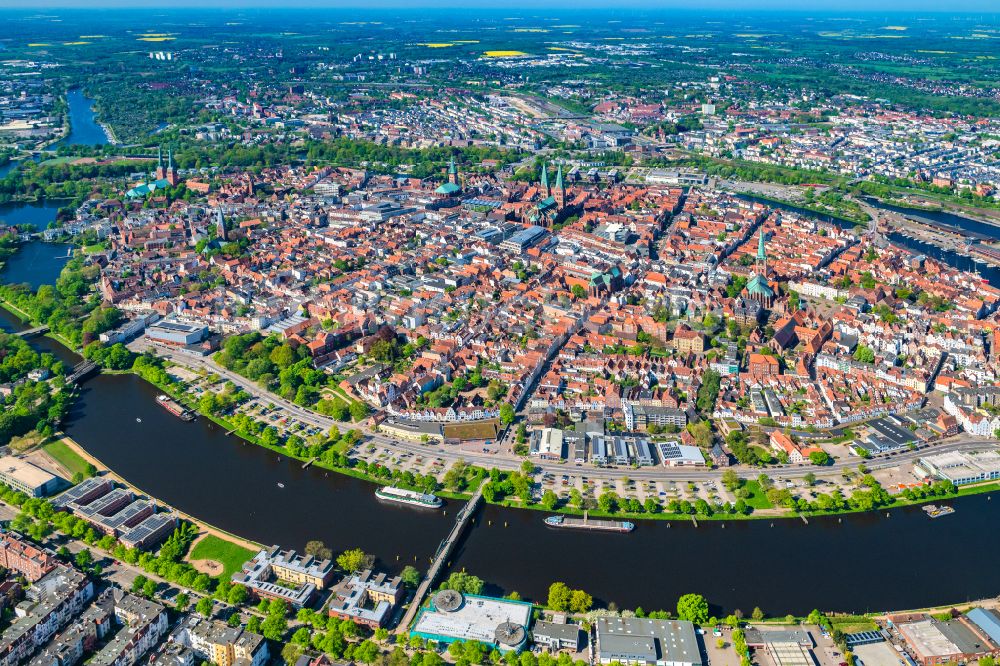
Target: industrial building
[
  {"x": 960, "y": 467},
  {"x": 175, "y": 333},
  {"x": 633, "y": 640},
  {"x": 28, "y": 478}
]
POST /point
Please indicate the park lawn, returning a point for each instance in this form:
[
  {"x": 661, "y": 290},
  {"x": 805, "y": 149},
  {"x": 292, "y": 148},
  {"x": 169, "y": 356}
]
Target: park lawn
[
  {"x": 229, "y": 554},
  {"x": 756, "y": 497},
  {"x": 66, "y": 457}
]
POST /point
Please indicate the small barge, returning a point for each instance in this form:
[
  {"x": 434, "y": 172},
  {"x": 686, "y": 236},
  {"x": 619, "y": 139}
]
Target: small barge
[
  {"x": 174, "y": 408},
  {"x": 403, "y": 496},
  {"x": 586, "y": 523},
  {"x": 935, "y": 511}
]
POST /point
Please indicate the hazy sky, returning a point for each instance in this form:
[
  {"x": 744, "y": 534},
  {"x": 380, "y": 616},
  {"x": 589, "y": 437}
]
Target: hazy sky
[{"x": 875, "y": 6}]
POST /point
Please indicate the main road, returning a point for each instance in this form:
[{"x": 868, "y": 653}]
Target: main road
[{"x": 453, "y": 454}]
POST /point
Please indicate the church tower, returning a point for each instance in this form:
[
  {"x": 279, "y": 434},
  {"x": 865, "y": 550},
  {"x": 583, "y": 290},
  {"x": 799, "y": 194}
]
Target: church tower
[
  {"x": 544, "y": 181},
  {"x": 161, "y": 171},
  {"x": 560, "y": 193},
  {"x": 220, "y": 225},
  {"x": 172, "y": 176},
  {"x": 761, "y": 254},
  {"x": 452, "y": 172}
]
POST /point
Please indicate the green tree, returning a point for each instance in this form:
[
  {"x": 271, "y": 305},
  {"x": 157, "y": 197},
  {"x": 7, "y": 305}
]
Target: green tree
[
  {"x": 205, "y": 606},
  {"x": 560, "y": 597},
  {"x": 693, "y": 608},
  {"x": 354, "y": 560}
]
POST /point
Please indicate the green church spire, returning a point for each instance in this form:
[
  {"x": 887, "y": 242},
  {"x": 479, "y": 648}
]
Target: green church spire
[{"x": 545, "y": 178}]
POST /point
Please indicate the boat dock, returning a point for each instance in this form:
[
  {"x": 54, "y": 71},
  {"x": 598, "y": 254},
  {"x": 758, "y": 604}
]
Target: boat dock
[
  {"x": 440, "y": 559},
  {"x": 308, "y": 463}
]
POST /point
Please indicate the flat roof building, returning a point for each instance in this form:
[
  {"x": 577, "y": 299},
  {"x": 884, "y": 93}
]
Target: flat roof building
[
  {"x": 171, "y": 332},
  {"x": 452, "y": 616},
  {"x": 961, "y": 467},
  {"x": 28, "y": 478},
  {"x": 935, "y": 642},
  {"x": 633, "y": 640}
]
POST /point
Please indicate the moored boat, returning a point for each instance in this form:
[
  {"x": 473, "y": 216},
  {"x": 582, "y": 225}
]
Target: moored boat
[
  {"x": 403, "y": 496},
  {"x": 174, "y": 407},
  {"x": 935, "y": 511},
  {"x": 587, "y": 523}
]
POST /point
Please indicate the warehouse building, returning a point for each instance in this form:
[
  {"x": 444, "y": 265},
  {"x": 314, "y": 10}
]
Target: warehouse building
[
  {"x": 633, "y": 640},
  {"x": 29, "y": 479}
]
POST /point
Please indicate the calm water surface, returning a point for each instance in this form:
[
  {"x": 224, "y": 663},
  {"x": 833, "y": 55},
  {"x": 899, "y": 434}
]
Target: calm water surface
[
  {"x": 83, "y": 127},
  {"x": 866, "y": 562}
]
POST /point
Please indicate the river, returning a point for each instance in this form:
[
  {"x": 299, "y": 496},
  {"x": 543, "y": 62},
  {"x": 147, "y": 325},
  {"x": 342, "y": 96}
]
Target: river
[
  {"x": 83, "y": 126},
  {"x": 866, "y": 562}
]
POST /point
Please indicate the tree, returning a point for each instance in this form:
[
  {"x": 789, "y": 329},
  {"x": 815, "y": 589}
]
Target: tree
[
  {"x": 366, "y": 652},
  {"x": 507, "y": 413},
  {"x": 864, "y": 354},
  {"x": 237, "y": 595},
  {"x": 318, "y": 550},
  {"x": 819, "y": 458},
  {"x": 549, "y": 500},
  {"x": 810, "y": 479},
  {"x": 560, "y": 597},
  {"x": 411, "y": 576},
  {"x": 182, "y": 601},
  {"x": 693, "y": 608},
  {"x": 359, "y": 410},
  {"x": 84, "y": 559},
  {"x": 466, "y": 583},
  {"x": 757, "y": 614},
  {"x": 580, "y": 601},
  {"x": 731, "y": 480},
  {"x": 578, "y": 291},
  {"x": 354, "y": 560},
  {"x": 205, "y": 606}
]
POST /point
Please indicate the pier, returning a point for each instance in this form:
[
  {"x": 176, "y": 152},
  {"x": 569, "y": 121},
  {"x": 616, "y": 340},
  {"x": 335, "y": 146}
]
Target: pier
[
  {"x": 306, "y": 463},
  {"x": 440, "y": 559}
]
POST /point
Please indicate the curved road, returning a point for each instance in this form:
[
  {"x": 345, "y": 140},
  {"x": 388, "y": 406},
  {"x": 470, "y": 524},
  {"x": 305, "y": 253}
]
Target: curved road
[{"x": 656, "y": 473}]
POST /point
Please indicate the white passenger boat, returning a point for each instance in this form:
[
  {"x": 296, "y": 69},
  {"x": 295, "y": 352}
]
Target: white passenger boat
[{"x": 403, "y": 496}]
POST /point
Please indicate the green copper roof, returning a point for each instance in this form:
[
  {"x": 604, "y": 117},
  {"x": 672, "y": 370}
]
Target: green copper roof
[
  {"x": 452, "y": 170},
  {"x": 448, "y": 188},
  {"x": 758, "y": 286},
  {"x": 761, "y": 253},
  {"x": 545, "y": 176},
  {"x": 559, "y": 178}
]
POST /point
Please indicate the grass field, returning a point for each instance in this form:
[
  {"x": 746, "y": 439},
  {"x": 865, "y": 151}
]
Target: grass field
[
  {"x": 225, "y": 552},
  {"x": 757, "y": 499},
  {"x": 66, "y": 457}
]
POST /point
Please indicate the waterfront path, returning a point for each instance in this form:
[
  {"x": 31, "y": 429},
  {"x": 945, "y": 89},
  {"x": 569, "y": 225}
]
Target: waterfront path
[
  {"x": 962, "y": 442},
  {"x": 440, "y": 559}
]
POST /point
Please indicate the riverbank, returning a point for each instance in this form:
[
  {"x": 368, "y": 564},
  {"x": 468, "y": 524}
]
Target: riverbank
[
  {"x": 806, "y": 207},
  {"x": 758, "y": 513},
  {"x": 27, "y": 320},
  {"x": 200, "y": 524}
]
